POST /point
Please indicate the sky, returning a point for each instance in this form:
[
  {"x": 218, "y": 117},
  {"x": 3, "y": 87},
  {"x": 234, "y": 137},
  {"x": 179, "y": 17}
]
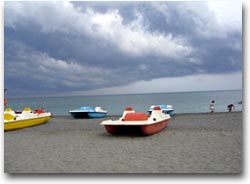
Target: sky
[{"x": 86, "y": 48}]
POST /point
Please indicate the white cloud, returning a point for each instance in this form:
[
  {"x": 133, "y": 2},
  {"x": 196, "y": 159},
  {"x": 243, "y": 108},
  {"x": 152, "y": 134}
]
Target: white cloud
[
  {"x": 133, "y": 39},
  {"x": 50, "y": 16},
  {"x": 210, "y": 18},
  {"x": 228, "y": 13}
]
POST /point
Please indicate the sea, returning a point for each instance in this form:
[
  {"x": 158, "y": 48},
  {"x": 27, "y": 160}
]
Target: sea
[{"x": 182, "y": 102}]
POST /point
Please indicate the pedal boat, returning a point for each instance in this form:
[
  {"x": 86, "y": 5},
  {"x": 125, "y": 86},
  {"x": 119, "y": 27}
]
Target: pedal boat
[
  {"x": 132, "y": 121},
  {"x": 88, "y": 112},
  {"x": 24, "y": 119},
  {"x": 166, "y": 109}
]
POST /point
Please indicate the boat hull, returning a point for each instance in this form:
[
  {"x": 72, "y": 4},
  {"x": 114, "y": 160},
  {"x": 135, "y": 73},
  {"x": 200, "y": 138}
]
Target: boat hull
[
  {"x": 18, "y": 124},
  {"x": 154, "y": 128},
  {"x": 123, "y": 129},
  {"x": 96, "y": 114},
  {"x": 144, "y": 129},
  {"x": 79, "y": 115}
]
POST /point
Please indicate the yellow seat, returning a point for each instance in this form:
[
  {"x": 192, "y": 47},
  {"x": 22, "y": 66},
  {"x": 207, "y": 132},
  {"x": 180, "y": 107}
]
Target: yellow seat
[
  {"x": 8, "y": 117},
  {"x": 8, "y": 109},
  {"x": 26, "y": 109}
]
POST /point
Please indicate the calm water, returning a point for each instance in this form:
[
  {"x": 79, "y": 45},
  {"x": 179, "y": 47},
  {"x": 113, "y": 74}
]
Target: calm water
[{"x": 184, "y": 102}]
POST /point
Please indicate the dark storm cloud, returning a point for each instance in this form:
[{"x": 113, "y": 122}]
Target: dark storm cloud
[{"x": 63, "y": 46}]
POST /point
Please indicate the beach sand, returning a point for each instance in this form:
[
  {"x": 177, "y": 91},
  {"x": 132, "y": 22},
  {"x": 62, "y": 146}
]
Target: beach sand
[{"x": 192, "y": 143}]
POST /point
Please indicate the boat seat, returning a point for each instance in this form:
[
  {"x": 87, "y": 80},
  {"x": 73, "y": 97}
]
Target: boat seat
[
  {"x": 8, "y": 117},
  {"x": 27, "y": 109},
  {"x": 38, "y": 111},
  {"x": 136, "y": 116}
]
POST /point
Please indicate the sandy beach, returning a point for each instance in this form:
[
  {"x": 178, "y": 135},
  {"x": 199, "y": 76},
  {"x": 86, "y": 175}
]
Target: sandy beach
[{"x": 192, "y": 143}]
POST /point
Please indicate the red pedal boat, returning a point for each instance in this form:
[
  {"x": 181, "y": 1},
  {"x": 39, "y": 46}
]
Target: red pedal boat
[{"x": 131, "y": 121}]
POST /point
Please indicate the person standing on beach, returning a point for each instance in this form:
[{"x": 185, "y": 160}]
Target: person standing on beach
[
  {"x": 211, "y": 107},
  {"x": 230, "y": 107}
]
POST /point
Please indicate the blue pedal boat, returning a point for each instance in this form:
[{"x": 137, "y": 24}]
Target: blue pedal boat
[{"x": 88, "y": 112}]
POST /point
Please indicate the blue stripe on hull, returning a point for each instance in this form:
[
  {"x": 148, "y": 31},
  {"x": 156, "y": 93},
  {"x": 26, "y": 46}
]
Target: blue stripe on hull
[{"x": 96, "y": 114}]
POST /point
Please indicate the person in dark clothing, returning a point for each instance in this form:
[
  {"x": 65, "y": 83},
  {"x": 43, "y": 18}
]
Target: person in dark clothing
[{"x": 230, "y": 107}]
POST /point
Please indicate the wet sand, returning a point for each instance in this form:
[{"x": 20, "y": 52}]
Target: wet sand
[{"x": 192, "y": 143}]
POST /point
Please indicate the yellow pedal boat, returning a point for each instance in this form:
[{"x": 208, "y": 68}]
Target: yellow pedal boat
[{"x": 24, "y": 119}]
